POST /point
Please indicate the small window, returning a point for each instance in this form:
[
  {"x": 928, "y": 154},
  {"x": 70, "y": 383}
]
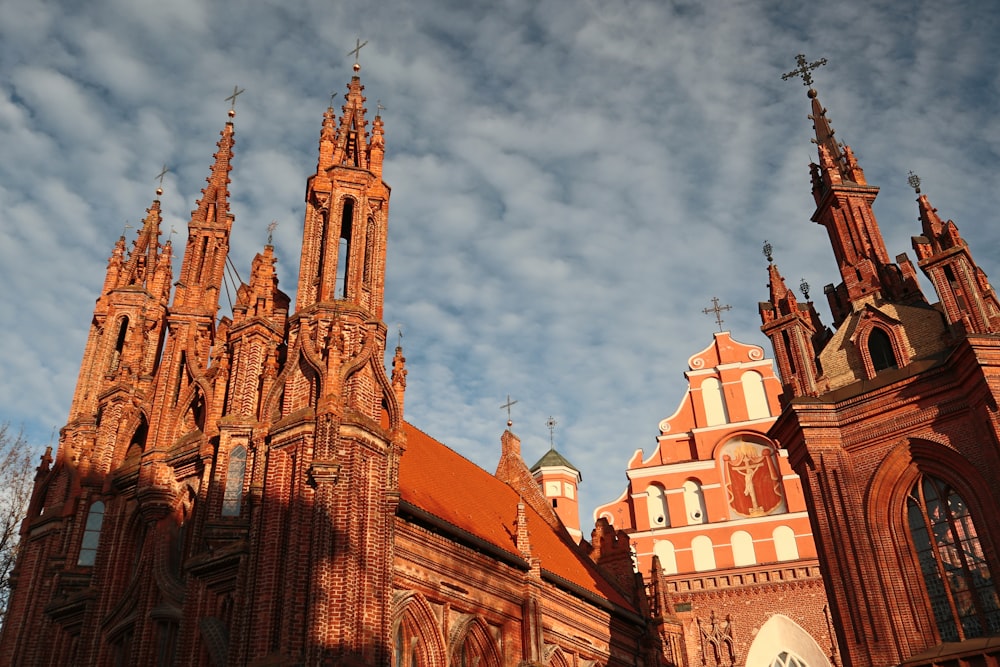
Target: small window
[
  {"x": 235, "y": 473},
  {"x": 91, "y": 535},
  {"x": 880, "y": 350}
]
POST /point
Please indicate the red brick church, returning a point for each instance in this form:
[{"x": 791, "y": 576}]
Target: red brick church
[{"x": 245, "y": 490}]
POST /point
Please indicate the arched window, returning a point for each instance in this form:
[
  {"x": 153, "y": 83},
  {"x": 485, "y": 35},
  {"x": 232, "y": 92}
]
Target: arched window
[
  {"x": 703, "y": 552},
  {"x": 755, "y": 396},
  {"x": 476, "y": 647},
  {"x": 959, "y": 583},
  {"x": 715, "y": 403},
  {"x": 656, "y": 507},
  {"x": 91, "y": 535},
  {"x": 233, "y": 498},
  {"x": 116, "y": 355},
  {"x": 344, "y": 248},
  {"x": 785, "y": 546},
  {"x": 786, "y": 659},
  {"x": 743, "y": 552},
  {"x": 880, "y": 350},
  {"x": 664, "y": 550},
  {"x": 694, "y": 503}
]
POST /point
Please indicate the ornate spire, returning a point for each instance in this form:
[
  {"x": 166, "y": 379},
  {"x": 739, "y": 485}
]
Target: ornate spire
[{"x": 213, "y": 206}]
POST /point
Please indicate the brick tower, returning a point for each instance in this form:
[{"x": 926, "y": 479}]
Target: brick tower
[
  {"x": 225, "y": 489},
  {"x": 891, "y": 421}
]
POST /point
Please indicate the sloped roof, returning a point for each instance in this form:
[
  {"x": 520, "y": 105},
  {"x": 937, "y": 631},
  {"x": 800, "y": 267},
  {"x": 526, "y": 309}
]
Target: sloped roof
[
  {"x": 553, "y": 459},
  {"x": 444, "y": 484}
]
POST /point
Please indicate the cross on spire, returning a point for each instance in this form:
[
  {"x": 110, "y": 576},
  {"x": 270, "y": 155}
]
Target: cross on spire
[
  {"x": 270, "y": 231},
  {"x": 379, "y": 107},
  {"x": 803, "y": 69},
  {"x": 717, "y": 309},
  {"x": 358, "y": 45},
  {"x": 159, "y": 177},
  {"x": 550, "y": 423},
  {"x": 237, "y": 91},
  {"x": 507, "y": 406}
]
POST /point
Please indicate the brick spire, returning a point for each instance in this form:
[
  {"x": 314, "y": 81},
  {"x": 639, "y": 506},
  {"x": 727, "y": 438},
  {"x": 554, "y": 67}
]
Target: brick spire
[
  {"x": 967, "y": 299},
  {"x": 208, "y": 238},
  {"x": 844, "y": 206}
]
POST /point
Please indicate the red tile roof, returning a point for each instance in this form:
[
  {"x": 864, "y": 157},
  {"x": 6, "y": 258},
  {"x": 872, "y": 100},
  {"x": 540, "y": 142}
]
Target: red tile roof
[{"x": 444, "y": 484}]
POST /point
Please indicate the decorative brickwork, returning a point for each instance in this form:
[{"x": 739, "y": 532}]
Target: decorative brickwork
[
  {"x": 244, "y": 490},
  {"x": 897, "y": 440}
]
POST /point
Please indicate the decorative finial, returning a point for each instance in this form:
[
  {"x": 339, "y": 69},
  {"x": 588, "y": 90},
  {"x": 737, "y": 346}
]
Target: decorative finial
[
  {"x": 270, "y": 231},
  {"x": 914, "y": 182},
  {"x": 126, "y": 228},
  {"x": 550, "y": 423},
  {"x": 159, "y": 177},
  {"x": 803, "y": 70},
  {"x": 170, "y": 238},
  {"x": 399, "y": 331},
  {"x": 237, "y": 91},
  {"x": 804, "y": 288},
  {"x": 358, "y": 45},
  {"x": 379, "y": 108},
  {"x": 507, "y": 406},
  {"x": 717, "y": 309},
  {"x": 767, "y": 252}
]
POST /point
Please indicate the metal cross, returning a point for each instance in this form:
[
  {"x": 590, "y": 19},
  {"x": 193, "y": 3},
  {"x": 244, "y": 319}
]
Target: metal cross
[
  {"x": 270, "y": 230},
  {"x": 125, "y": 230},
  {"x": 159, "y": 176},
  {"x": 399, "y": 330},
  {"x": 237, "y": 91},
  {"x": 358, "y": 45},
  {"x": 379, "y": 107},
  {"x": 173, "y": 230},
  {"x": 551, "y": 424},
  {"x": 717, "y": 309},
  {"x": 507, "y": 406},
  {"x": 803, "y": 69}
]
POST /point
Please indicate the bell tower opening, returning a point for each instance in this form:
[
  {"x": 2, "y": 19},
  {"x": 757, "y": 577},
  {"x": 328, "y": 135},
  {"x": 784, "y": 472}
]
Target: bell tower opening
[{"x": 344, "y": 248}]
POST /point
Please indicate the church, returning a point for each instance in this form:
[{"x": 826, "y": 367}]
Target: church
[{"x": 245, "y": 489}]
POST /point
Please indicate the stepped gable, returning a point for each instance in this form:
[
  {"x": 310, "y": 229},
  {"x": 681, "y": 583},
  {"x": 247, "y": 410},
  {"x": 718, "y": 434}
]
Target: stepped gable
[{"x": 438, "y": 480}]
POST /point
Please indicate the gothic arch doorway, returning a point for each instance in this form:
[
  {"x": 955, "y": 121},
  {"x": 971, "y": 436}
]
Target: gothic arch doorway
[{"x": 781, "y": 642}]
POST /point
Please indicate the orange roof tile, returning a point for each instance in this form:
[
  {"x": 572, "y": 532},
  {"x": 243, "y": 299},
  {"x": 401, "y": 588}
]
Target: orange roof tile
[{"x": 441, "y": 482}]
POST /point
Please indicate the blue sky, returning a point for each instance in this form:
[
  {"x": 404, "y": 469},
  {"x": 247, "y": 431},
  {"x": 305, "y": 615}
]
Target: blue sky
[{"x": 573, "y": 180}]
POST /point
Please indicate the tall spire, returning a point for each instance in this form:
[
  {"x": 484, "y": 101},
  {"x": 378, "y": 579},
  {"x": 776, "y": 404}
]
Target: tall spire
[
  {"x": 844, "y": 206},
  {"x": 208, "y": 237}
]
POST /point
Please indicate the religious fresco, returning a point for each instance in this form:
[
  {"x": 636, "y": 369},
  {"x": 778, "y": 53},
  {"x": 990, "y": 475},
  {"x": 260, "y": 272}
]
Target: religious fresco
[{"x": 752, "y": 480}]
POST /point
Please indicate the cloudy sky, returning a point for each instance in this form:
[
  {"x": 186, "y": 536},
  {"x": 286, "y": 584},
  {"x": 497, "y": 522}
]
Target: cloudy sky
[{"x": 573, "y": 180}]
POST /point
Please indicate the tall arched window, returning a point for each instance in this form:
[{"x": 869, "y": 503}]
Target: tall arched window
[
  {"x": 785, "y": 546},
  {"x": 715, "y": 402},
  {"x": 880, "y": 350},
  {"x": 743, "y": 551},
  {"x": 344, "y": 249},
  {"x": 755, "y": 396},
  {"x": 656, "y": 507},
  {"x": 694, "y": 503},
  {"x": 959, "y": 583},
  {"x": 233, "y": 498},
  {"x": 664, "y": 550},
  {"x": 703, "y": 552},
  {"x": 91, "y": 535},
  {"x": 116, "y": 354}
]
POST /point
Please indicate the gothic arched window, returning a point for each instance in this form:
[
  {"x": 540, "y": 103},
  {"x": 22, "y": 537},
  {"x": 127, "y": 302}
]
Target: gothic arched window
[
  {"x": 233, "y": 497},
  {"x": 880, "y": 350},
  {"x": 786, "y": 659},
  {"x": 91, "y": 535},
  {"x": 959, "y": 583}
]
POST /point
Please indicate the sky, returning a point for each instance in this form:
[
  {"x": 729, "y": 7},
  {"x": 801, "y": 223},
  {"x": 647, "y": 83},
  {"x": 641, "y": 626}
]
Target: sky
[{"x": 573, "y": 181}]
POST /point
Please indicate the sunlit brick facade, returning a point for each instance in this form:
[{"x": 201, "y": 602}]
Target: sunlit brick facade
[{"x": 244, "y": 490}]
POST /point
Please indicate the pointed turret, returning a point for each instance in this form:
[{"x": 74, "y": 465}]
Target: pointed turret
[
  {"x": 796, "y": 333},
  {"x": 343, "y": 248},
  {"x": 844, "y": 206},
  {"x": 967, "y": 299},
  {"x": 208, "y": 238},
  {"x": 559, "y": 481}
]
